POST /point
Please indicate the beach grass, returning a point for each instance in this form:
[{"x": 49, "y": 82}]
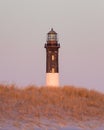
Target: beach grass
[{"x": 58, "y": 103}]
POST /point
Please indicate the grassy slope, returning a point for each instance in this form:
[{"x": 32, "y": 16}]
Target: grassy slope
[{"x": 59, "y": 103}]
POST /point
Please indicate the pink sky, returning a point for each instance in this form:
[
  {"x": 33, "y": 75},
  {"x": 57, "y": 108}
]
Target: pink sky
[{"x": 23, "y": 28}]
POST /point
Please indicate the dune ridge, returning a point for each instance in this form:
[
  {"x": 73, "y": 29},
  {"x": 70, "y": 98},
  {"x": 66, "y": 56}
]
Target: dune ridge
[{"x": 67, "y": 103}]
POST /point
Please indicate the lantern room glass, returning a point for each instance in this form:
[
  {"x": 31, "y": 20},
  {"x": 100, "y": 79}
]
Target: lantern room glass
[{"x": 52, "y": 37}]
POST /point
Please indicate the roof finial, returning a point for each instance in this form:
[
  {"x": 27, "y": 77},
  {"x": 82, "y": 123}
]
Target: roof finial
[{"x": 52, "y": 31}]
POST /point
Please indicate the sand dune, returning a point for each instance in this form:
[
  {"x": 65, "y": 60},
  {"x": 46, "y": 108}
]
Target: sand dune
[{"x": 43, "y": 107}]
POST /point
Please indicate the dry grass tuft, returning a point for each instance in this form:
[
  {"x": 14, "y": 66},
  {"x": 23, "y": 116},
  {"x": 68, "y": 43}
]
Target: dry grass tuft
[{"x": 65, "y": 103}]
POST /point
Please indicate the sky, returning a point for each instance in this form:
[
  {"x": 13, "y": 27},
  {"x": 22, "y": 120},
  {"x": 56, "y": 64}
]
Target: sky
[{"x": 24, "y": 25}]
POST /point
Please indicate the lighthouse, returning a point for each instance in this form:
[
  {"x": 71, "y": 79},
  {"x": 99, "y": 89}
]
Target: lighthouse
[{"x": 52, "y": 67}]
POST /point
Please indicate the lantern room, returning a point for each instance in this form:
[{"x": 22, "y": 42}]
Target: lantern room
[{"x": 52, "y": 37}]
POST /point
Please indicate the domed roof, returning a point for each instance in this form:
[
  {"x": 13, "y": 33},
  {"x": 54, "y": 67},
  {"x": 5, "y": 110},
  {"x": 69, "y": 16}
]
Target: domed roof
[{"x": 52, "y": 31}]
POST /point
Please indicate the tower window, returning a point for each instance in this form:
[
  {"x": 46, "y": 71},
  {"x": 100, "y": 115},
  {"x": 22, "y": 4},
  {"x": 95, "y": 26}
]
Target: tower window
[
  {"x": 53, "y": 57},
  {"x": 53, "y": 70}
]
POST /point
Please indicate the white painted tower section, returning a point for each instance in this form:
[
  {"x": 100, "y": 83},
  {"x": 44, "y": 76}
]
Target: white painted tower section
[{"x": 52, "y": 79}]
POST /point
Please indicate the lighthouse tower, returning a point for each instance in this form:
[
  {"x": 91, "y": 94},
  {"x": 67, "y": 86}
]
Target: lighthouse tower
[{"x": 52, "y": 68}]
